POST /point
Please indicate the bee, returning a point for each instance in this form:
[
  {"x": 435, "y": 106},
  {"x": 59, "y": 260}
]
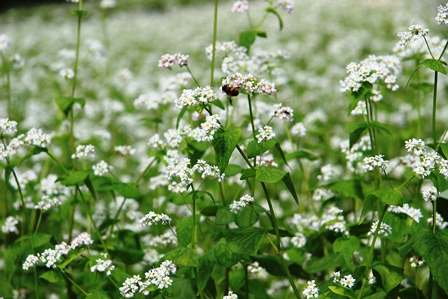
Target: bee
[{"x": 230, "y": 91}]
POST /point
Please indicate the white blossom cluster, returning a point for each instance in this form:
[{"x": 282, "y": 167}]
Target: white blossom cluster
[
  {"x": 10, "y": 225},
  {"x": 51, "y": 256},
  {"x": 347, "y": 281},
  {"x": 442, "y": 13},
  {"x": 440, "y": 222},
  {"x": 416, "y": 262},
  {"x": 207, "y": 129},
  {"x": 281, "y": 112},
  {"x": 298, "y": 129},
  {"x": 158, "y": 277},
  {"x": 355, "y": 153},
  {"x": 153, "y": 218},
  {"x": 385, "y": 229},
  {"x": 425, "y": 160},
  {"x": 8, "y": 127},
  {"x": 225, "y": 48},
  {"x": 414, "y": 213},
  {"x": 299, "y": 240},
  {"x": 369, "y": 163},
  {"x": 311, "y": 291},
  {"x": 84, "y": 151},
  {"x": 33, "y": 137},
  {"x": 430, "y": 194},
  {"x": 101, "y": 168},
  {"x": 167, "y": 61},
  {"x": 195, "y": 97},
  {"x": 238, "y": 205},
  {"x": 287, "y": 5},
  {"x": 46, "y": 202},
  {"x": 249, "y": 84},
  {"x": 322, "y": 194},
  {"x": 124, "y": 150},
  {"x": 230, "y": 295},
  {"x": 419, "y": 48},
  {"x": 103, "y": 265},
  {"x": 240, "y": 6},
  {"x": 331, "y": 219},
  {"x": 415, "y": 32},
  {"x": 5, "y": 42},
  {"x": 266, "y": 160},
  {"x": 265, "y": 134},
  {"x": 52, "y": 193}
]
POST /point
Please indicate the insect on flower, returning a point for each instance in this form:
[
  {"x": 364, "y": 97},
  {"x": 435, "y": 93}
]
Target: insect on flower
[{"x": 230, "y": 92}]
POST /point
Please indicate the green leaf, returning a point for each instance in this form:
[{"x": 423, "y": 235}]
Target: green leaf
[
  {"x": 343, "y": 291},
  {"x": 233, "y": 169},
  {"x": 256, "y": 149},
  {"x": 76, "y": 177},
  {"x": 78, "y": 13},
  {"x": 365, "y": 88},
  {"x": 38, "y": 239},
  {"x": 196, "y": 150},
  {"x": 183, "y": 256},
  {"x": 272, "y": 264},
  {"x": 224, "y": 216},
  {"x": 127, "y": 255},
  {"x": 356, "y": 130},
  {"x": 302, "y": 154},
  {"x": 64, "y": 104},
  {"x": 348, "y": 188},
  {"x": 390, "y": 276},
  {"x": 247, "y": 217},
  {"x": 206, "y": 264},
  {"x": 224, "y": 143},
  {"x": 184, "y": 229},
  {"x": 290, "y": 185},
  {"x": 53, "y": 276},
  {"x": 434, "y": 250},
  {"x": 127, "y": 190},
  {"x": 280, "y": 151},
  {"x": 328, "y": 262},
  {"x": 224, "y": 256},
  {"x": 389, "y": 196},
  {"x": 275, "y": 12},
  {"x": 98, "y": 294},
  {"x": 181, "y": 114},
  {"x": 247, "y": 38},
  {"x": 35, "y": 151},
  {"x": 369, "y": 205},
  {"x": 270, "y": 175},
  {"x": 444, "y": 148},
  {"x": 248, "y": 173},
  {"x": 380, "y": 127},
  {"x": 244, "y": 240},
  {"x": 72, "y": 255},
  {"x": 435, "y": 65},
  {"x": 346, "y": 246}
]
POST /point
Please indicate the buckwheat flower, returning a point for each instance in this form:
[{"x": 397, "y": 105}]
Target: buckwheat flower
[
  {"x": 265, "y": 87},
  {"x": 124, "y": 150},
  {"x": 103, "y": 265},
  {"x": 287, "y": 5},
  {"x": 82, "y": 239},
  {"x": 311, "y": 291},
  {"x": 47, "y": 203},
  {"x": 421, "y": 172},
  {"x": 130, "y": 286},
  {"x": 416, "y": 262},
  {"x": 240, "y": 6},
  {"x": 107, "y": 4},
  {"x": 348, "y": 281},
  {"x": 414, "y": 213},
  {"x": 430, "y": 194},
  {"x": 154, "y": 218},
  {"x": 360, "y": 109},
  {"x": 5, "y": 42},
  {"x": 37, "y": 137},
  {"x": 299, "y": 240},
  {"x": 84, "y": 151},
  {"x": 298, "y": 129},
  {"x": 442, "y": 13},
  {"x": 372, "y": 278},
  {"x": 254, "y": 268},
  {"x": 101, "y": 168},
  {"x": 281, "y": 112},
  {"x": 238, "y": 205},
  {"x": 440, "y": 222},
  {"x": 417, "y": 146},
  {"x": 230, "y": 295},
  {"x": 266, "y": 160},
  {"x": 384, "y": 229},
  {"x": 10, "y": 225},
  {"x": 158, "y": 277},
  {"x": 415, "y": 32},
  {"x": 17, "y": 61},
  {"x": 265, "y": 134},
  {"x": 369, "y": 163},
  {"x": 8, "y": 127},
  {"x": 190, "y": 97},
  {"x": 67, "y": 73},
  {"x": 322, "y": 194},
  {"x": 30, "y": 261},
  {"x": 337, "y": 277},
  {"x": 167, "y": 61}
]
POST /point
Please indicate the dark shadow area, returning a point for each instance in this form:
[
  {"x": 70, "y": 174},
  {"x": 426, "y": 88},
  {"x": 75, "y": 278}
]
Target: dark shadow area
[{"x": 7, "y": 4}]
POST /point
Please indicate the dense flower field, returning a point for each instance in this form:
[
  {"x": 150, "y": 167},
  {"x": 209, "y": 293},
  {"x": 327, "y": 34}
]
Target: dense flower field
[{"x": 240, "y": 149}]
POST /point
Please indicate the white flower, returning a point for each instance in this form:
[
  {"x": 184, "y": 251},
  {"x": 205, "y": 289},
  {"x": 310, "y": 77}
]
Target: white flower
[{"x": 311, "y": 291}]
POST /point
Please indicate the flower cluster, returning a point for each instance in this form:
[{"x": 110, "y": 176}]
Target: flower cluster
[
  {"x": 415, "y": 261},
  {"x": 287, "y": 5},
  {"x": 5, "y": 42},
  {"x": 281, "y": 112},
  {"x": 347, "y": 281},
  {"x": 240, "y": 6},
  {"x": 299, "y": 240},
  {"x": 167, "y": 61},
  {"x": 10, "y": 225},
  {"x": 84, "y": 151},
  {"x": 101, "y": 168},
  {"x": 154, "y": 218},
  {"x": 249, "y": 84},
  {"x": 414, "y": 213},
  {"x": 207, "y": 129},
  {"x": 158, "y": 277},
  {"x": 230, "y": 295},
  {"x": 384, "y": 229},
  {"x": 430, "y": 194},
  {"x": 51, "y": 256},
  {"x": 369, "y": 163},
  {"x": 47, "y": 203},
  {"x": 103, "y": 265},
  {"x": 225, "y": 48},
  {"x": 415, "y": 32},
  {"x": 124, "y": 150},
  {"x": 355, "y": 153},
  {"x": 440, "y": 222},
  {"x": 195, "y": 97},
  {"x": 442, "y": 13},
  {"x": 311, "y": 291},
  {"x": 8, "y": 127},
  {"x": 426, "y": 159},
  {"x": 265, "y": 134},
  {"x": 238, "y": 205}
]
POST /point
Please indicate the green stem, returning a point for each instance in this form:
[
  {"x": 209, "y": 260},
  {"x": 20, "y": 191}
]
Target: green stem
[
  {"x": 193, "y": 77},
  {"x": 74, "y": 283},
  {"x": 215, "y": 33},
  {"x": 251, "y": 115},
  {"x": 371, "y": 253},
  {"x": 145, "y": 171},
  {"x": 434, "y": 109},
  {"x": 7, "y": 69}
]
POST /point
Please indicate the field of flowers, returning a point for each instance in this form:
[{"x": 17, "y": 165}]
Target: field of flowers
[{"x": 227, "y": 149}]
